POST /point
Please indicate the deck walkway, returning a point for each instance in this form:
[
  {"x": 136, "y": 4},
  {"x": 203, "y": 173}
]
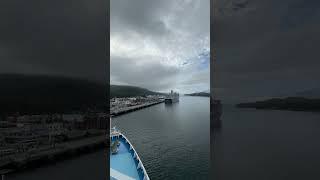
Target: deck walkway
[{"x": 118, "y": 175}]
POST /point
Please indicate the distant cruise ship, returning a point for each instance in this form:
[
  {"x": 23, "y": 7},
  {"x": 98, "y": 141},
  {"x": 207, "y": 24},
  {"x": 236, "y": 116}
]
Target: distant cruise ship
[
  {"x": 172, "y": 98},
  {"x": 125, "y": 163}
]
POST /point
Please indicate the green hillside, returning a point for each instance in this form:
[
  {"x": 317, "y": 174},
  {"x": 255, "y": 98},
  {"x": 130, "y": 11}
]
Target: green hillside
[
  {"x": 48, "y": 94},
  {"x": 129, "y": 91},
  {"x": 203, "y": 94},
  {"x": 289, "y": 103}
]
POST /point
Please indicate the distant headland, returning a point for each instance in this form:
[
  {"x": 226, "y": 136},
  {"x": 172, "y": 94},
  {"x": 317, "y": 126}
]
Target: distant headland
[
  {"x": 289, "y": 103},
  {"x": 203, "y": 94},
  {"x": 30, "y": 94}
]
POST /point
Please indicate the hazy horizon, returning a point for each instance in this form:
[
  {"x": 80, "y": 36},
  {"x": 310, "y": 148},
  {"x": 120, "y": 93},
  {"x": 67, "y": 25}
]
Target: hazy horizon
[{"x": 205, "y": 90}]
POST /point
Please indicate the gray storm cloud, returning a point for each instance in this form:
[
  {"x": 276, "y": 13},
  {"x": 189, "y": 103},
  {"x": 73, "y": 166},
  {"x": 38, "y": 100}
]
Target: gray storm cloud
[
  {"x": 159, "y": 78},
  {"x": 156, "y": 44},
  {"x": 63, "y": 37}
]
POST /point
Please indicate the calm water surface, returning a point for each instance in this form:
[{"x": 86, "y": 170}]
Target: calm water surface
[
  {"x": 173, "y": 141},
  {"x": 267, "y": 144}
]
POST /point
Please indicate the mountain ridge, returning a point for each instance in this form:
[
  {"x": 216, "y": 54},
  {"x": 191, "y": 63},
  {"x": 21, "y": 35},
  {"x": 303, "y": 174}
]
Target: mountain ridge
[
  {"x": 203, "y": 94},
  {"x": 288, "y": 103},
  {"x": 130, "y": 91},
  {"x": 37, "y": 94}
]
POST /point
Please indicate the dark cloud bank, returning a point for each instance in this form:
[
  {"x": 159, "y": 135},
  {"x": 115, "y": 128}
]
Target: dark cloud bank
[
  {"x": 159, "y": 45},
  {"x": 52, "y": 55},
  {"x": 266, "y": 48},
  {"x": 61, "y": 38}
]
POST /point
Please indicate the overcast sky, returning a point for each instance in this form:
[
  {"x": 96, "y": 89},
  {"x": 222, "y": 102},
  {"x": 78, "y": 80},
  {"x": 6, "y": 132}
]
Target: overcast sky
[
  {"x": 160, "y": 44},
  {"x": 266, "y": 48},
  {"x": 60, "y": 38}
]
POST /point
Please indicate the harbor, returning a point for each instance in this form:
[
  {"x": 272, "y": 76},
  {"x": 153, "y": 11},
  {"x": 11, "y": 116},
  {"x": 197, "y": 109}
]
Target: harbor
[
  {"x": 116, "y": 112},
  {"x": 163, "y": 135},
  {"x": 125, "y": 162},
  {"x": 49, "y": 154},
  {"x": 119, "y": 106},
  {"x": 29, "y": 141}
]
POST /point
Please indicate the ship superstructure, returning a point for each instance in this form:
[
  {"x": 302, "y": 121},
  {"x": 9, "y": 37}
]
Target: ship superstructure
[{"x": 172, "y": 98}]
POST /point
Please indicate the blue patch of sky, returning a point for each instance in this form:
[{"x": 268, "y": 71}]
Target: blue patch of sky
[
  {"x": 204, "y": 60},
  {"x": 201, "y": 62}
]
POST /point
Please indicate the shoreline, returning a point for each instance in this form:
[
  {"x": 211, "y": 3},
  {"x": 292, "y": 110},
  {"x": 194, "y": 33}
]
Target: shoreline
[
  {"x": 279, "y": 109},
  {"x": 133, "y": 108},
  {"x": 61, "y": 152},
  {"x": 288, "y": 103}
]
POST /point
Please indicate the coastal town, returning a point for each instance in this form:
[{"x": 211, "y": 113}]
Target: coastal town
[
  {"x": 27, "y": 138},
  {"x": 127, "y": 104}
]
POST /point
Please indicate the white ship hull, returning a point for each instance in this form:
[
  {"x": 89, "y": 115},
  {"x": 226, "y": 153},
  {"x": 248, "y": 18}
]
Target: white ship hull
[{"x": 171, "y": 100}]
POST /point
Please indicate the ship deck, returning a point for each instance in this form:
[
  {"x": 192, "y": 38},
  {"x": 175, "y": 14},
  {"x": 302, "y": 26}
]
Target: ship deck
[{"x": 123, "y": 165}]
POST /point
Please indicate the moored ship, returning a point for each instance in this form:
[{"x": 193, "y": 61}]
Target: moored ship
[
  {"x": 125, "y": 162},
  {"x": 172, "y": 98}
]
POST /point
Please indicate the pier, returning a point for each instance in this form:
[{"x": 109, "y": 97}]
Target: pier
[
  {"x": 49, "y": 153},
  {"x": 119, "y": 111}
]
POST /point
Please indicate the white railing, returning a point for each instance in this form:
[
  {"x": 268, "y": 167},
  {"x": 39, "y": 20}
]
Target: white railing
[
  {"x": 146, "y": 177},
  {"x": 114, "y": 132}
]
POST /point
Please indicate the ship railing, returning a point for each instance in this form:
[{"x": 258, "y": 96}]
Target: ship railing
[
  {"x": 146, "y": 177},
  {"x": 114, "y": 132}
]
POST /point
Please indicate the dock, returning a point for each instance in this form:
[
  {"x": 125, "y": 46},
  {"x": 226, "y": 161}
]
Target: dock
[
  {"x": 60, "y": 150},
  {"x": 119, "y": 111}
]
